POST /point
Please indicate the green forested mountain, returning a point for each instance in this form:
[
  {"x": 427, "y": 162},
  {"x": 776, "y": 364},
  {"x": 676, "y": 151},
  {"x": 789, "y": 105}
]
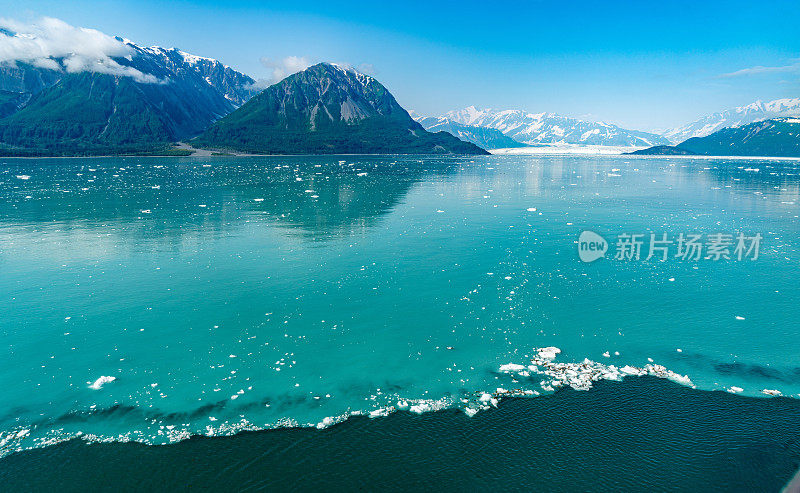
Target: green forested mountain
[
  {"x": 86, "y": 113},
  {"x": 327, "y": 109},
  {"x": 778, "y": 137},
  {"x": 54, "y": 112},
  {"x": 775, "y": 137}
]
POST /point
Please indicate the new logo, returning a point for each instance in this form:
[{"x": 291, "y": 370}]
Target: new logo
[{"x": 591, "y": 246}]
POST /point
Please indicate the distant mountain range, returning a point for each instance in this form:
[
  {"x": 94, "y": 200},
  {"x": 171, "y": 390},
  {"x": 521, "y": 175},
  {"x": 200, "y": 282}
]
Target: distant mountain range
[
  {"x": 546, "y": 128},
  {"x": 779, "y": 137},
  {"x": 487, "y": 138},
  {"x": 53, "y": 112},
  {"x": 327, "y": 109},
  {"x": 735, "y": 117}
]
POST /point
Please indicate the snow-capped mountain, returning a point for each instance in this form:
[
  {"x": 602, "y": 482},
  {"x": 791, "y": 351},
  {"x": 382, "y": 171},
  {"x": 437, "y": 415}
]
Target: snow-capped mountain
[
  {"x": 235, "y": 86},
  {"x": 152, "y": 97},
  {"x": 487, "y": 138},
  {"x": 192, "y": 73},
  {"x": 779, "y": 137},
  {"x": 735, "y": 117},
  {"x": 549, "y": 128}
]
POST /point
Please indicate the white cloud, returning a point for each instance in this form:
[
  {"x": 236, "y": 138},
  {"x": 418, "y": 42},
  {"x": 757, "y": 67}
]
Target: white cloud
[
  {"x": 760, "y": 70},
  {"x": 285, "y": 67},
  {"x": 366, "y": 68},
  {"x": 53, "y": 44}
]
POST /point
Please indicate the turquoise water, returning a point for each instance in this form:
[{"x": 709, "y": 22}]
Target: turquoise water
[{"x": 246, "y": 293}]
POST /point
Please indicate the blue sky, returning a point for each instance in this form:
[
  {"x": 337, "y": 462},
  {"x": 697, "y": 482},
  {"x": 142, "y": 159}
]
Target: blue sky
[{"x": 638, "y": 64}]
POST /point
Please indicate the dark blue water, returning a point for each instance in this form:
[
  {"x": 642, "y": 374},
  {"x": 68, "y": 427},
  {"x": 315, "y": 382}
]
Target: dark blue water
[{"x": 642, "y": 435}]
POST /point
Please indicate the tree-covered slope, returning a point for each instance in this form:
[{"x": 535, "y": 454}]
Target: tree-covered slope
[
  {"x": 778, "y": 137},
  {"x": 86, "y": 113},
  {"x": 327, "y": 109}
]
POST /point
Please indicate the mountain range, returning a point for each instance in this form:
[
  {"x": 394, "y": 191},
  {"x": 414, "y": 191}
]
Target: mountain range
[
  {"x": 778, "y": 137},
  {"x": 546, "y": 128},
  {"x": 735, "y": 117},
  {"x": 487, "y": 138},
  {"x": 143, "y": 100},
  {"x": 327, "y": 109},
  {"x": 56, "y": 112}
]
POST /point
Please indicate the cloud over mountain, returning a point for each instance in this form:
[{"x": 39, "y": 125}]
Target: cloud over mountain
[
  {"x": 285, "y": 67},
  {"x": 53, "y": 44}
]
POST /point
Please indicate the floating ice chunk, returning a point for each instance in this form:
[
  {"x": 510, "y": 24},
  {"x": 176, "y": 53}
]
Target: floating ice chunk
[
  {"x": 549, "y": 352},
  {"x": 662, "y": 372},
  {"x": 98, "y": 384},
  {"x": 23, "y": 177},
  {"x": 606, "y": 354},
  {"x": 485, "y": 397},
  {"x": 512, "y": 367},
  {"x": 258, "y": 200},
  {"x": 420, "y": 408},
  {"x": 771, "y": 392},
  {"x": 379, "y": 413},
  {"x": 579, "y": 376},
  {"x": 738, "y": 317},
  {"x": 735, "y": 390},
  {"x": 470, "y": 411},
  {"x": 531, "y": 209}
]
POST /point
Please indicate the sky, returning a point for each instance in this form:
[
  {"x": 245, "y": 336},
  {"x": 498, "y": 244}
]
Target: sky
[{"x": 638, "y": 64}]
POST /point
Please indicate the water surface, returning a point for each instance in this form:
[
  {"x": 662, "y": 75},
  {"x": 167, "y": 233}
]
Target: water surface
[{"x": 224, "y": 294}]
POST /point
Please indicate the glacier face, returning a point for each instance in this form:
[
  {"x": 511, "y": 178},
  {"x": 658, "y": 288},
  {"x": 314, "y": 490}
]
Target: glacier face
[
  {"x": 735, "y": 117},
  {"x": 550, "y": 128}
]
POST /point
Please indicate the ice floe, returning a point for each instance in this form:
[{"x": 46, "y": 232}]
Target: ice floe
[
  {"x": 98, "y": 384},
  {"x": 581, "y": 376}
]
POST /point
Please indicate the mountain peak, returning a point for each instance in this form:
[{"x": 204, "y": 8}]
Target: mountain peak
[{"x": 327, "y": 109}]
